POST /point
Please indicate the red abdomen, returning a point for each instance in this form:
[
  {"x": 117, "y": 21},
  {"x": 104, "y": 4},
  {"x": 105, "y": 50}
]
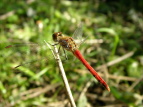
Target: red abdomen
[{"x": 94, "y": 73}]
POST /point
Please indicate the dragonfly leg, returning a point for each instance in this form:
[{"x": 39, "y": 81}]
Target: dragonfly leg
[
  {"x": 66, "y": 58},
  {"x": 65, "y": 54},
  {"x": 55, "y": 44},
  {"x": 59, "y": 49},
  {"x": 52, "y": 44}
]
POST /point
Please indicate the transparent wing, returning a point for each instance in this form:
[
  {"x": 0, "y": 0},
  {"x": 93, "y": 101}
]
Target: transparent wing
[
  {"x": 28, "y": 54},
  {"x": 31, "y": 54},
  {"x": 78, "y": 34}
]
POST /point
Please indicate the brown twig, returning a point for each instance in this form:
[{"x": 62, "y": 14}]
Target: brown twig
[
  {"x": 135, "y": 83},
  {"x": 4, "y": 16},
  {"x": 37, "y": 91},
  {"x": 57, "y": 104},
  {"x": 117, "y": 60},
  {"x": 119, "y": 77},
  {"x": 105, "y": 69},
  {"x": 61, "y": 68},
  {"x": 33, "y": 93},
  {"x": 109, "y": 75},
  {"x": 85, "y": 89},
  {"x": 91, "y": 42}
]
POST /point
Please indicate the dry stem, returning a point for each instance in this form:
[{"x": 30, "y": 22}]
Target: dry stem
[{"x": 57, "y": 58}]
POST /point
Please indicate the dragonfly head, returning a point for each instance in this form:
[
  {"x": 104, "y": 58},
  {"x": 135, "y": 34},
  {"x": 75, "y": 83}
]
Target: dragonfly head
[{"x": 56, "y": 35}]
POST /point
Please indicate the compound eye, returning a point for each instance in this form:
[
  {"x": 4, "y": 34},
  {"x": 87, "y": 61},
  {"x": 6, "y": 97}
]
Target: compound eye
[{"x": 56, "y": 35}]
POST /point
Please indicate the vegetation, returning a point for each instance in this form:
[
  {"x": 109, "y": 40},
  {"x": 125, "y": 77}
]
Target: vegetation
[{"x": 116, "y": 27}]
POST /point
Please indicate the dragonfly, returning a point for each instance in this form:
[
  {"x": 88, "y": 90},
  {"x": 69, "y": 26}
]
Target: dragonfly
[{"x": 69, "y": 43}]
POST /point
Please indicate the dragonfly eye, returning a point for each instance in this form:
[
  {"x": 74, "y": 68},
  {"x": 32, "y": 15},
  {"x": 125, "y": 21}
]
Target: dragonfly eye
[{"x": 56, "y": 35}]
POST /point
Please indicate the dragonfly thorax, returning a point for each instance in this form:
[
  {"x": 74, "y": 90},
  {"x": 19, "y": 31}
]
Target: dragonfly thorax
[{"x": 65, "y": 41}]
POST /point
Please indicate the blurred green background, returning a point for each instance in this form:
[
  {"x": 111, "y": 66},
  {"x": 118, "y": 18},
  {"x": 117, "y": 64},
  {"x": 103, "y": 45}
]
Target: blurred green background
[{"x": 116, "y": 52}]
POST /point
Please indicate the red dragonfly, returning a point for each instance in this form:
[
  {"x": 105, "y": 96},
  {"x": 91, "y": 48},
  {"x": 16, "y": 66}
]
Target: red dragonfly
[{"x": 69, "y": 44}]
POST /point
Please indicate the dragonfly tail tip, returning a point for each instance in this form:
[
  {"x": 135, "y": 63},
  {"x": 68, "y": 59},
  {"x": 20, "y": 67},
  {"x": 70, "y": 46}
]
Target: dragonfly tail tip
[{"x": 108, "y": 88}]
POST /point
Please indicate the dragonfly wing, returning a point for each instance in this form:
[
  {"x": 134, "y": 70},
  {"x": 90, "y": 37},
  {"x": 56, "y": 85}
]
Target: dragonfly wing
[
  {"x": 28, "y": 53},
  {"x": 77, "y": 35}
]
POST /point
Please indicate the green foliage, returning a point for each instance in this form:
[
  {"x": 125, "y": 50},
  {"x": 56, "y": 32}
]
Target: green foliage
[{"x": 117, "y": 23}]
